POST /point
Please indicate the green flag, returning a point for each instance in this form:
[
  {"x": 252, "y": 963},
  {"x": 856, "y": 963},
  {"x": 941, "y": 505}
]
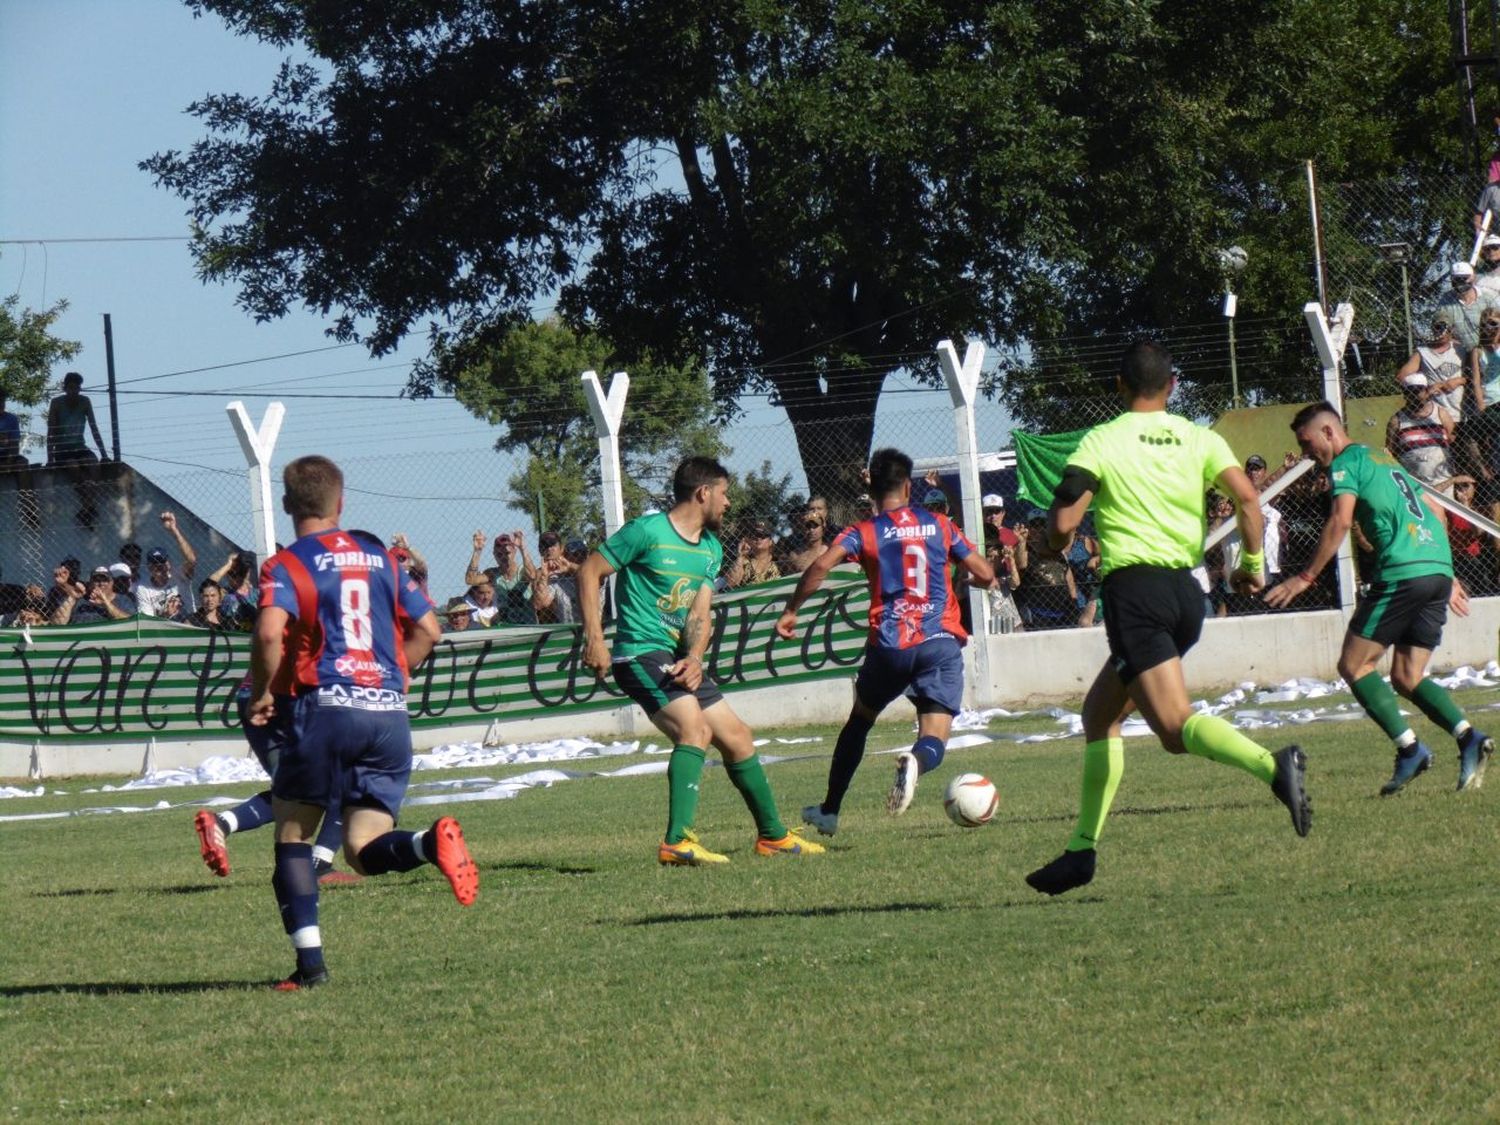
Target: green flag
[{"x": 1040, "y": 460}]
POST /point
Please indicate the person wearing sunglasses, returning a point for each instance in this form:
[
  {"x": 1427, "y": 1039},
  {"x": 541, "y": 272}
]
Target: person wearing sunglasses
[{"x": 1440, "y": 363}]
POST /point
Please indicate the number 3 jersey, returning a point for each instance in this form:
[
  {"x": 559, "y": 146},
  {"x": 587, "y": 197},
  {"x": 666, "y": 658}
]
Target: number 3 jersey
[
  {"x": 347, "y": 597},
  {"x": 905, "y": 555},
  {"x": 1409, "y": 539}
]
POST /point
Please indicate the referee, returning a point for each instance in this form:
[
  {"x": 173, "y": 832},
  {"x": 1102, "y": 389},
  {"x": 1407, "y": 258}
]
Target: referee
[{"x": 1145, "y": 474}]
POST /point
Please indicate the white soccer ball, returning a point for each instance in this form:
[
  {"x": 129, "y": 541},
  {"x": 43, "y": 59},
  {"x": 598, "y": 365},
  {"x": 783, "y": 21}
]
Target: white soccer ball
[{"x": 971, "y": 800}]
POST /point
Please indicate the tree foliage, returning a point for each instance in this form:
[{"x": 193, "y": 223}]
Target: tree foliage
[
  {"x": 526, "y": 380},
  {"x": 29, "y": 350},
  {"x": 800, "y": 195}
]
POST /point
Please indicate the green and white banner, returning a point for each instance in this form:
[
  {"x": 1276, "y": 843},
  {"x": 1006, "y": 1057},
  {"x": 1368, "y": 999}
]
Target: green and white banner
[{"x": 146, "y": 678}]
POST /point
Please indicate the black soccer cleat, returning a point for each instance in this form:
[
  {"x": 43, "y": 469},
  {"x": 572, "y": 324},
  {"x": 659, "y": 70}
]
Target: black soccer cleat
[
  {"x": 1290, "y": 786},
  {"x": 1069, "y": 870},
  {"x": 300, "y": 980}
]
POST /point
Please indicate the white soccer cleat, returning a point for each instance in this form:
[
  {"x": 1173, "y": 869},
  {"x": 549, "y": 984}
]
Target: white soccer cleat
[
  {"x": 904, "y": 788},
  {"x": 827, "y": 823}
]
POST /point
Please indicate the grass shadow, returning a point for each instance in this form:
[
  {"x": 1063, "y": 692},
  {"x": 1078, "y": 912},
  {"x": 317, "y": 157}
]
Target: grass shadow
[
  {"x": 806, "y": 912},
  {"x": 1135, "y": 810},
  {"x": 132, "y": 988},
  {"x": 534, "y": 865},
  {"x": 76, "y": 892}
]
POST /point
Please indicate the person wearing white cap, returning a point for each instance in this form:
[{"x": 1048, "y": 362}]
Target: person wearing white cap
[
  {"x": 1463, "y": 306},
  {"x": 122, "y": 581},
  {"x": 1487, "y": 280},
  {"x": 1420, "y": 434},
  {"x": 1440, "y": 363}
]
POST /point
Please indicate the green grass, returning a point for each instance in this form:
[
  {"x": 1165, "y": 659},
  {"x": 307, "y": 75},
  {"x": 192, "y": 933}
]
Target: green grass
[{"x": 1217, "y": 968}]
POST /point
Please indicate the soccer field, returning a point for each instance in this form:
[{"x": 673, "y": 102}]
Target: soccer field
[{"x": 1218, "y": 967}]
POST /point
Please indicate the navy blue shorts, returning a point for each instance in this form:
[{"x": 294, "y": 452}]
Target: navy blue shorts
[
  {"x": 266, "y": 742},
  {"x": 933, "y": 670},
  {"x": 340, "y": 755}
]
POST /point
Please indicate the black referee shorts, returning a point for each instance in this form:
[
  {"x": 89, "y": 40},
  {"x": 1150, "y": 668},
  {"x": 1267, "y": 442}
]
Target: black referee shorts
[
  {"x": 1151, "y": 614},
  {"x": 1408, "y": 612}
]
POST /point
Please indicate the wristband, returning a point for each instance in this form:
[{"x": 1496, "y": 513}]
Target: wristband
[
  {"x": 1308, "y": 576},
  {"x": 1253, "y": 563}
]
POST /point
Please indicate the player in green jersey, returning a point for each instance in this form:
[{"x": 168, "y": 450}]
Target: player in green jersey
[
  {"x": 667, "y": 563},
  {"x": 1145, "y": 474},
  {"x": 1410, "y": 591}
]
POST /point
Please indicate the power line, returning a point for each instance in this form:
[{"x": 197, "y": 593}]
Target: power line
[{"x": 236, "y": 363}]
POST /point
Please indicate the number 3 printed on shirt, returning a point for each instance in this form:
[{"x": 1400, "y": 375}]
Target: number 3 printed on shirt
[
  {"x": 914, "y": 558},
  {"x": 1413, "y": 504},
  {"x": 354, "y": 605}
]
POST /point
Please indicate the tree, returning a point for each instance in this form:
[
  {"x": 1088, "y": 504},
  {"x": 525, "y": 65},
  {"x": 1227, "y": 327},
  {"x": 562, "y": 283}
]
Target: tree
[
  {"x": 802, "y": 197},
  {"x": 29, "y": 351},
  {"x": 526, "y": 380}
]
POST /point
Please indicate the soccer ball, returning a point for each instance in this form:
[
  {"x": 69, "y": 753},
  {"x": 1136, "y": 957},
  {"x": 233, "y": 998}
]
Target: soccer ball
[{"x": 971, "y": 800}]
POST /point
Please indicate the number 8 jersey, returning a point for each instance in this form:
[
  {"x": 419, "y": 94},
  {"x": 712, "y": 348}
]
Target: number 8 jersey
[
  {"x": 905, "y": 554},
  {"x": 347, "y": 597},
  {"x": 1409, "y": 539}
]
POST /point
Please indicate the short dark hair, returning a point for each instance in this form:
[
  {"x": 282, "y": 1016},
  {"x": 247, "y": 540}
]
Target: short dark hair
[
  {"x": 1146, "y": 368},
  {"x": 1311, "y": 411},
  {"x": 312, "y": 487},
  {"x": 695, "y": 473},
  {"x": 72, "y": 377},
  {"x": 206, "y": 583},
  {"x": 889, "y": 470}
]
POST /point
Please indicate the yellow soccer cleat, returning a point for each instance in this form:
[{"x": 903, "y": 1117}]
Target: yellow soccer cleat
[
  {"x": 688, "y": 853},
  {"x": 790, "y": 844}
]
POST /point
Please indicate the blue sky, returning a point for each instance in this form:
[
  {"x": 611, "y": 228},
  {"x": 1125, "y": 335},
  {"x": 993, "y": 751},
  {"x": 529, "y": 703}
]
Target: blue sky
[{"x": 88, "y": 88}]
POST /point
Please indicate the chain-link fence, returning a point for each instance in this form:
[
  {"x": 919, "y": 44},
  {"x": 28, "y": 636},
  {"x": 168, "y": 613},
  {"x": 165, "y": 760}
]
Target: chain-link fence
[
  {"x": 1389, "y": 249},
  {"x": 443, "y": 500}
]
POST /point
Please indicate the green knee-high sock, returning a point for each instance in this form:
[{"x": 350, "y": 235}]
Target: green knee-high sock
[
  {"x": 749, "y": 778},
  {"x": 684, "y": 768},
  {"x": 1379, "y": 702},
  {"x": 1437, "y": 704},
  {"x": 1211, "y": 737},
  {"x": 1103, "y": 766}
]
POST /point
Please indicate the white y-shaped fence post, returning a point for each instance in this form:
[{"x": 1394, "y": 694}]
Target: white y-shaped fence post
[
  {"x": 607, "y": 410},
  {"x": 1331, "y": 337},
  {"x": 257, "y": 445},
  {"x": 963, "y": 384}
]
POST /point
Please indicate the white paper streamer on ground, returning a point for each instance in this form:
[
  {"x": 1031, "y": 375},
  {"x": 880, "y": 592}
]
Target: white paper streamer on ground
[{"x": 226, "y": 770}]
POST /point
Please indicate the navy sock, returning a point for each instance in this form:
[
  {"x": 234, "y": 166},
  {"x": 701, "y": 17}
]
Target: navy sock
[
  {"x": 395, "y": 851},
  {"x": 252, "y": 814},
  {"x": 848, "y": 752},
  {"x": 928, "y": 751},
  {"x": 330, "y": 839},
  {"x": 297, "y": 895}
]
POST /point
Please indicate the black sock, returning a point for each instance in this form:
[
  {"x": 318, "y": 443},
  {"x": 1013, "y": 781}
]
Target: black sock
[{"x": 848, "y": 752}]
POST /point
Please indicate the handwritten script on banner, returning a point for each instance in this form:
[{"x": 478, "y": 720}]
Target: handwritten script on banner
[{"x": 144, "y": 677}]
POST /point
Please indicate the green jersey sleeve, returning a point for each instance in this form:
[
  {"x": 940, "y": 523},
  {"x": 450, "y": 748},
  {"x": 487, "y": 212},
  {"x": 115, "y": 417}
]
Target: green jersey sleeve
[{"x": 625, "y": 546}]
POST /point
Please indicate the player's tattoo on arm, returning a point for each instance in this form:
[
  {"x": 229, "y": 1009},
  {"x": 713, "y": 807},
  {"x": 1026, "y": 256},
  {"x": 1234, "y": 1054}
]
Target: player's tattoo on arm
[{"x": 692, "y": 634}]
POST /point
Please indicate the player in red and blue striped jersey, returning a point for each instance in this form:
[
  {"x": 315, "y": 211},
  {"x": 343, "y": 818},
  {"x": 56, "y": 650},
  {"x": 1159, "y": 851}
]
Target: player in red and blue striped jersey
[
  {"x": 916, "y": 637},
  {"x": 338, "y": 626}
]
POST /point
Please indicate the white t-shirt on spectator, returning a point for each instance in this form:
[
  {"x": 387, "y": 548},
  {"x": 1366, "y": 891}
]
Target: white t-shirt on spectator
[
  {"x": 152, "y": 600},
  {"x": 484, "y": 616}
]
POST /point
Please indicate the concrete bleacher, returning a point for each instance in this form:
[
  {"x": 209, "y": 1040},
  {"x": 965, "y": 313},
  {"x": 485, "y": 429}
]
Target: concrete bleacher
[{"x": 40, "y": 525}]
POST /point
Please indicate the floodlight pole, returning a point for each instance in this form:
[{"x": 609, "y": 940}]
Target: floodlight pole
[
  {"x": 257, "y": 446},
  {"x": 1231, "y": 303},
  {"x": 963, "y": 383}
]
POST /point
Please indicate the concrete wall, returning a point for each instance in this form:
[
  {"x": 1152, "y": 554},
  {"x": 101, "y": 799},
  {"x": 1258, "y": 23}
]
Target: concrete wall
[{"x": 1030, "y": 668}]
